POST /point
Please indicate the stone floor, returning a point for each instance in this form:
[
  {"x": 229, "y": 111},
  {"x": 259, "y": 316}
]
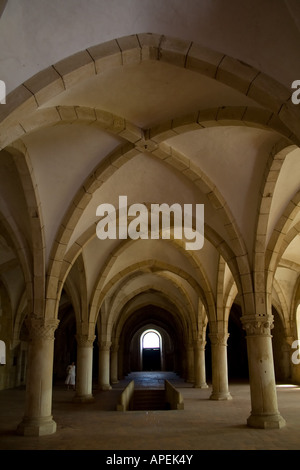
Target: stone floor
[{"x": 202, "y": 425}]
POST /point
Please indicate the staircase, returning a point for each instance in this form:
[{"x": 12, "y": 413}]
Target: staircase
[{"x": 146, "y": 399}]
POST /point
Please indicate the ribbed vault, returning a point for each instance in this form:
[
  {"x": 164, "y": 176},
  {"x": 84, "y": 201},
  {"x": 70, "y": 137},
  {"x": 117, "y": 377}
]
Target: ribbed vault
[{"x": 158, "y": 119}]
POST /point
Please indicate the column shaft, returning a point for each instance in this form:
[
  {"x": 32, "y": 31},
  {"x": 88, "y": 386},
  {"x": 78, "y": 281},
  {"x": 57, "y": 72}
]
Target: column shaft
[
  {"x": 190, "y": 363},
  {"x": 264, "y": 411},
  {"x": 84, "y": 379},
  {"x": 38, "y": 420},
  {"x": 104, "y": 366},
  {"x": 219, "y": 367},
  {"x": 199, "y": 363}
]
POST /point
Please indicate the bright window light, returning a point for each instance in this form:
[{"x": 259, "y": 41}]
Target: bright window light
[
  {"x": 151, "y": 340},
  {"x": 287, "y": 386}
]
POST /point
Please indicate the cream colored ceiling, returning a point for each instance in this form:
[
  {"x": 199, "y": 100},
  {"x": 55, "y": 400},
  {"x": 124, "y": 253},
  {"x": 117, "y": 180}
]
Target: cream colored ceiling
[
  {"x": 232, "y": 157},
  {"x": 146, "y": 103},
  {"x": 255, "y": 32}
]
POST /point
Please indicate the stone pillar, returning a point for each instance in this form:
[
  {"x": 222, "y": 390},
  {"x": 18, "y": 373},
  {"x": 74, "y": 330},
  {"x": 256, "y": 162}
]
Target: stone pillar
[
  {"x": 104, "y": 365},
  {"x": 199, "y": 363},
  {"x": 84, "y": 373},
  {"x": 219, "y": 366},
  {"x": 264, "y": 411},
  {"x": 114, "y": 364},
  {"x": 190, "y": 363},
  {"x": 38, "y": 420}
]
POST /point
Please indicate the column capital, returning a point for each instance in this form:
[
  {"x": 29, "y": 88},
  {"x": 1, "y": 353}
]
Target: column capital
[
  {"x": 85, "y": 341},
  {"x": 219, "y": 339},
  {"x": 115, "y": 347},
  {"x": 258, "y": 324},
  {"x": 189, "y": 345},
  {"x": 199, "y": 343},
  {"x": 40, "y": 328},
  {"x": 104, "y": 345},
  {"x": 289, "y": 339}
]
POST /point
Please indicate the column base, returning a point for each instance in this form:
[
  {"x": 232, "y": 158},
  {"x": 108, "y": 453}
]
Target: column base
[
  {"x": 37, "y": 426},
  {"x": 104, "y": 387},
  {"x": 83, "y": 399},
  {"x": 204, "y": 385},
  {"x": 220, "y": 396},
  {"x": 274, "y": 421}
]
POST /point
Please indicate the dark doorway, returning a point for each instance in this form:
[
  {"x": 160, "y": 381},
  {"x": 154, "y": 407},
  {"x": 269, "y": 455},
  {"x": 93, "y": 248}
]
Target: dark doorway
[
  {"x": 151, "y": 350},
  {"x": 237, "y": 346},
  {"x": 151, "y": 359}
]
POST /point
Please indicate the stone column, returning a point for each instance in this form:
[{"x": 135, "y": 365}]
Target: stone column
[
  {"x": 84, "y": 373},
  {"x": 38, "y": 420},
  {"x": 104, "y": 365},
  {"x": 114, "y": 364},
  {"x": 190, "y": 363},
  {"x": 264, "y": 412},
  {"x": 219, "y": 366},
  {"x": 199, "y": 363}
]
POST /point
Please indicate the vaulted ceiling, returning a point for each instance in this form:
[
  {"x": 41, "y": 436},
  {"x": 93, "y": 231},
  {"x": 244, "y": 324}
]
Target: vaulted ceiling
[{"x": 174, "y": 102}]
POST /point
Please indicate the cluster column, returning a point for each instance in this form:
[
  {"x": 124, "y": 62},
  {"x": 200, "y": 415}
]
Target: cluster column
[
  {"x": 264, "y": 411},
  {"x": 38, "y": 420}
]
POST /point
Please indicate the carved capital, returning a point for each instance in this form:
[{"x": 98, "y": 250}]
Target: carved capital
[
  {"x": 41, "y": 329},
  {"x": 115, "y": 347},
  {"x": 219, "y": 339},
  {"x": 289, "y": 341},
  {"x": 104, "y": 345},
  {"x": 85, "y": 341},
  {"x": 199, "y": 344},
  {"x": 258, "y": 325}
]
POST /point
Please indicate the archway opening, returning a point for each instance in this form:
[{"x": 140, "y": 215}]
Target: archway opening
[
  {"x": 151, "y": 350},
  {"x": 237, "y": 346},
  {"x": 155, "y": 319},
  {"x": 65, "y": 346}
]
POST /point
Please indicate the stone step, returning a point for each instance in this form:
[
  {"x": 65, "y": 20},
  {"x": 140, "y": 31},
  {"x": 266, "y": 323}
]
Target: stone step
[{"x": 149, "y": 400}]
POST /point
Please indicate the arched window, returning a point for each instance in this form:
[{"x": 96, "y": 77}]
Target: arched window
[
  {"x": 151, "y": 340},
  {"x": 2, "y": 353}
]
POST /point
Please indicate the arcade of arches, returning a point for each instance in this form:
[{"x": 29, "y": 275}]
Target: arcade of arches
[{"x": 174, "y": 115}]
